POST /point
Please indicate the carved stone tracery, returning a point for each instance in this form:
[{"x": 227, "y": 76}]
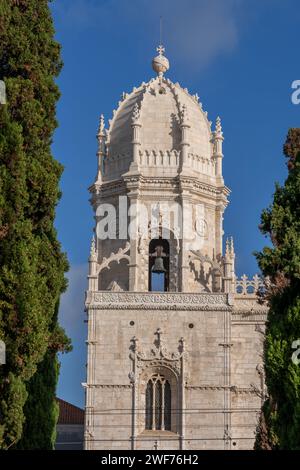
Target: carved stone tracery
[
  {"x": 158, "y": 355},
  {"x": 118, "y": 256}
]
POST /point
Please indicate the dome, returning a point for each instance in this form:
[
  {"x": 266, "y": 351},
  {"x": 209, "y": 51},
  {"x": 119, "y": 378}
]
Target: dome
[{"x": 158, "y": 109}]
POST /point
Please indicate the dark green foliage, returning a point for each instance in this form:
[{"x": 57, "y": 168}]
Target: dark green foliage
[
  {"x": 32, "y": 266},
  {"x": 41, "y": 408},
  {"x": 280, "y": 425}
]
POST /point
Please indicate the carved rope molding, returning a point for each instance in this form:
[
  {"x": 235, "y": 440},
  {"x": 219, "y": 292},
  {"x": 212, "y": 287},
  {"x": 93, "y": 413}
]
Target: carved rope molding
[
  {"x": 236, "y": 390},
  {"x": 232, "y": 388},
  {"x": 157, "y": 301},
  {"x": 123, "y": 386}
]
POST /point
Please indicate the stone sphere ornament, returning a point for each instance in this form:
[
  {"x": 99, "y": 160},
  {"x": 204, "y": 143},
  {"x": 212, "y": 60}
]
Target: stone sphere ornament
[{"x": 160, "y": 63}]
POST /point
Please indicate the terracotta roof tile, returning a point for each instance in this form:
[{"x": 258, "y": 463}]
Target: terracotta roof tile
[{"x": 69, "y": 414}]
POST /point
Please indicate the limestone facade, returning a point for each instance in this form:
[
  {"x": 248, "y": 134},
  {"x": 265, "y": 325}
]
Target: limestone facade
[{"x": 181, "y": 368}]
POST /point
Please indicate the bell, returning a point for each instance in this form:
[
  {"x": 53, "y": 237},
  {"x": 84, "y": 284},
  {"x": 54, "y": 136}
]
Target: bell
[{"x": 158, "y": 266}]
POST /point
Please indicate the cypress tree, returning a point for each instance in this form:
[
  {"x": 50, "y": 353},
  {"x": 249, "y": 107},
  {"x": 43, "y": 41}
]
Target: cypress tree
[
  {"x": 280, "y": 422},
  {"x": 32, "y": 265},
  {"x": 41, "y": 408}
]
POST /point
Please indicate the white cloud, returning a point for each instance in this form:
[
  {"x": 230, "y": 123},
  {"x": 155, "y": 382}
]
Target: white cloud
[
  {"x": 203, "y": 31},
  {"x": 71, "y": 317},
  {"x": 71, "y": 311},
  {"x": 198, "y": 31}
]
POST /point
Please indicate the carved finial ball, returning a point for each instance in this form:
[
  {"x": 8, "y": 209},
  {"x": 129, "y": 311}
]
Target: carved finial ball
[{"x": 160, "y": 64}]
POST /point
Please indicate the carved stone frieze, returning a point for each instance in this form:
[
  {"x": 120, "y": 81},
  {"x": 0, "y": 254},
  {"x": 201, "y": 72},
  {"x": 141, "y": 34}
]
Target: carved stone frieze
[{"x": 158, "y": 301}]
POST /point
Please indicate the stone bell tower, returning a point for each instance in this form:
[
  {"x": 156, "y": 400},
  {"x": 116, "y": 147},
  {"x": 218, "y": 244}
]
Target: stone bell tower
[{"x": 174, "y": 339}]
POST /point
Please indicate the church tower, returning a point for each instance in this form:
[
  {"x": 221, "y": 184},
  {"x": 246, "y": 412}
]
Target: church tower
[{"x": 174, "y": 339}]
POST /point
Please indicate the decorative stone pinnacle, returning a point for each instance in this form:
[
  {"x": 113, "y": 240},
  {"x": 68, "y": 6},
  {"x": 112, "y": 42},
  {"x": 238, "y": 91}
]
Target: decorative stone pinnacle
[
  {"x": 227, "y": 252},
  {"x": 136, "y": 113},
  {"x": 93, "y": 252},
  {"x": 218, "y": 131},
  {"x": 231, "y": 246},
  {"x": 101, "y": 129},
  {"x": 184, "y": 114}
]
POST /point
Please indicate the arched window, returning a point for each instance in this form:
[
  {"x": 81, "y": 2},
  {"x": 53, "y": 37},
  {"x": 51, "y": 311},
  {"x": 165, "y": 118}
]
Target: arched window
[
  {"x": 159, "y": 250},
  {"x": 158, "y": 404}
]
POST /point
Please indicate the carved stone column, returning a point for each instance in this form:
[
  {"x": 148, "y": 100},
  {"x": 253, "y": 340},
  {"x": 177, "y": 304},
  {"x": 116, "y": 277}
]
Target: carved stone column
[
  {"x": 184, "y": 125},
  {"x": 227, "y": 379},
  {"x": 89, "y": 390},
  {"x": 136, "y": 141},
  {"x": 93, "y": 264},
  {"x": 218, "y": 152},
  {"x": 101, "y": 136},
  {"x": 183, "y": 264},
  {"x": 133, "y": 185}
]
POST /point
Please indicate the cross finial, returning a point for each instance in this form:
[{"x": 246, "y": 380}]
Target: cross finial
[
  {"x": 159, "y": 333},
  {"x": 160, "y": 63},
  {"x": 160, "y": 49}
]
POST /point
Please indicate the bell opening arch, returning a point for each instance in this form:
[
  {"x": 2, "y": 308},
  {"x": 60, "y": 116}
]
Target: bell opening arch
[{"x": 159, "y": 265}]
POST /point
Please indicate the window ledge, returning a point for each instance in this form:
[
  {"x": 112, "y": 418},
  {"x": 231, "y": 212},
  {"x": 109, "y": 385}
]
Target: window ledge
[{"x": 158, "y": 433}]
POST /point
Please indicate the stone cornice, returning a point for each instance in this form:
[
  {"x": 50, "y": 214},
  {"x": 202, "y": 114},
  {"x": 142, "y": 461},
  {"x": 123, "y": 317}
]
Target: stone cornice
[
  {"x": 147, "y": 184},
  {"x": 113, "y": 186},
  {"x": 249, "y": 317},
  {"x": 247, "y": 309}
]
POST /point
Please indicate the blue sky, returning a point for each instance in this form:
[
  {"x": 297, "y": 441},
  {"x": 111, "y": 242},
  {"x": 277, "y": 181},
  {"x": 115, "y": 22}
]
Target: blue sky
[{"x": 240, "y": 56}]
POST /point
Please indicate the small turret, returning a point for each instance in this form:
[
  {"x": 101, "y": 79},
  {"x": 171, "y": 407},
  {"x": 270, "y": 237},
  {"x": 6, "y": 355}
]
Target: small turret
[
  {"x": 93, "y": 262},
  {"x": 184, "y": 125},
  {"x": 136, "y": 141},
  {"x": 228, "y": 264},
  {"x": 218, "y": 144},
  {"x": 101, "y": 137}
]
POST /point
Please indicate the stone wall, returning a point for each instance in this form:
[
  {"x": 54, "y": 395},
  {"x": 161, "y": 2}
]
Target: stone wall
[{"x": 210, "y": 344}]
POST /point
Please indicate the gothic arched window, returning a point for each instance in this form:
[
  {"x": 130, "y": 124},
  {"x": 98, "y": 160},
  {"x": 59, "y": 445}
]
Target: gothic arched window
[
  {"x": 159, "y": 250},
  {"x": 158, "y": 404}
]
